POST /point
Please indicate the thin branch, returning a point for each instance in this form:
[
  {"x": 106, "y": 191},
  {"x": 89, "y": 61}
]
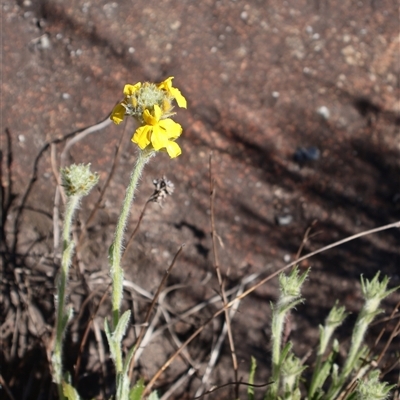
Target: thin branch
[
  {"x": 6, "y": 389},
  {"x": 135, "y": 230},
  {"x": 103, "y": 190},
  {"x": 214, "y": 389},
  {"x": 81, "y": 135},
  {"x": 217, "y": 348},
  {"x": 86, "y": 334},
  {"x": 152, "y": 305},
  {"x": 306, "y": 238},
  {"x": 178, "y": 384},
  {"x": 220, "y": 281}
]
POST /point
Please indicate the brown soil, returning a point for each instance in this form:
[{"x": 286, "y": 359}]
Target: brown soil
[{"x": 263, "y": 79}]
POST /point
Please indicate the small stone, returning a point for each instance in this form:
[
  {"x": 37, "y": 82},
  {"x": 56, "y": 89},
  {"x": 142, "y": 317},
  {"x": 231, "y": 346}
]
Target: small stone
[
  {"x": 45, "y": 42},
  {"x": 304, "y": 154},
  {"x": 287, "y": 258},
  {"x": 175, "y": 25},
  {"x": 324, "y": 112},
  {"x": 284, "y": 220},
  {"x": 244, "y": 15},
  {"x": 346, "y": 38},
  {"x": 21, "y": 138}
]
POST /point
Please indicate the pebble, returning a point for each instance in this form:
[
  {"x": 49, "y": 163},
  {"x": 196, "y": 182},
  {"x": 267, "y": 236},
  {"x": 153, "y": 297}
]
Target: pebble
[
  {"x": 284, "y": 220},
  {"x": 244, "y": 15},
  {"x": 304, "y": 154},
  {"x": 44, "y": 42},
  {"x": 287, "y": 258},
  {"x": 324, "y": 112}
]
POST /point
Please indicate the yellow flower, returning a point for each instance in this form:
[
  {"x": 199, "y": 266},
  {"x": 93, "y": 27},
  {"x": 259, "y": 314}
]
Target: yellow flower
[
  {"x": 174, "y": 92},
  {"x": 119, "y": 111},
  {"x": 159, "y": 134}
]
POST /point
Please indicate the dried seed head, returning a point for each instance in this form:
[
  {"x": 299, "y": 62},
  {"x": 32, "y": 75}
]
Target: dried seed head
[{"x": 163, "y": 188}]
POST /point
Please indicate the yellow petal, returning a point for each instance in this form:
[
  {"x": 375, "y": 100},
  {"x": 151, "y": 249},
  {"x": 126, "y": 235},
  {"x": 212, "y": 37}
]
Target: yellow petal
[
  {"x": 173, "y": 149},
  {"x": 181, "y": 101},
  {"x": 152, "y": 119},
  {"x": 166, "y": 85},
  {"x": 174, "y": 92},
  {"x": 172, "y": 129},
  {"x": 142, "y": 136},
  {"x": 157, "y": 112},
  {"x": 118, "y": 113},
  {"x": 159, "y": 138},
  {"x": 130, "y": 89}
]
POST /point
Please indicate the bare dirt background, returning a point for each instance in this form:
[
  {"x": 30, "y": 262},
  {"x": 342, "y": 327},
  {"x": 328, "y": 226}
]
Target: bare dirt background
[{"x": 262, "y": 79}]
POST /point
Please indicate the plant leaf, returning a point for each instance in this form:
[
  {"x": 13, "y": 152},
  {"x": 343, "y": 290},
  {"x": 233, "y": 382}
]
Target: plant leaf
[{"x": 136, "y": 392}]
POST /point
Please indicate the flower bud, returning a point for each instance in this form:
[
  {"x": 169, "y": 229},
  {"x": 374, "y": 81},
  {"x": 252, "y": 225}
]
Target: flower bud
[{"x": 77, "y": 180}]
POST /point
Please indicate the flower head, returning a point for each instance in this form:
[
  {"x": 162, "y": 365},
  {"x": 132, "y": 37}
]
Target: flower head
[
  {"x": 151, "y": 105},
  {"x": 158, "y": 133}
]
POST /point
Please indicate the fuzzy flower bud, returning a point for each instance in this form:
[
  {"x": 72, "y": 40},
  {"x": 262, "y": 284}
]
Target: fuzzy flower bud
[
  {"x": 290, "y": 288},
  {"x": 373, "y": 389},
  {"x": 77, "y": 180},
  {"x": 374, "y": 291},
  {"x": 335, "y": 318}
]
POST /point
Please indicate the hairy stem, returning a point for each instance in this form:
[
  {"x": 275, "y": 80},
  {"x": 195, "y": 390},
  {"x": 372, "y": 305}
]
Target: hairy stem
[
  {"x": 117, "y": 273},
  {"x": 62, "y": 316}
]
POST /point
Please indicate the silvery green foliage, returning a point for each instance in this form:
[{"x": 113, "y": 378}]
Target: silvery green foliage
[
  {"x": 115, "y": 339},
  {"x": 287, "y": 369},
  {"x": 372, "y": 388}
]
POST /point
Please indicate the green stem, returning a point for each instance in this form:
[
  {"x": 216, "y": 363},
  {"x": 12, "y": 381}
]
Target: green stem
[
  {"x": 358, "y": 336},
  {"x": 352, "y": 358},
  {"x": 62, "y": 317},
  {"x": 277, "y": 329},
  {"x": 117, "y": 274}
]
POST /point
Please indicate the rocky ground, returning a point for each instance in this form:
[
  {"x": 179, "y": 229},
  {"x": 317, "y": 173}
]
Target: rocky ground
[{"x": 297, "y": 101}]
